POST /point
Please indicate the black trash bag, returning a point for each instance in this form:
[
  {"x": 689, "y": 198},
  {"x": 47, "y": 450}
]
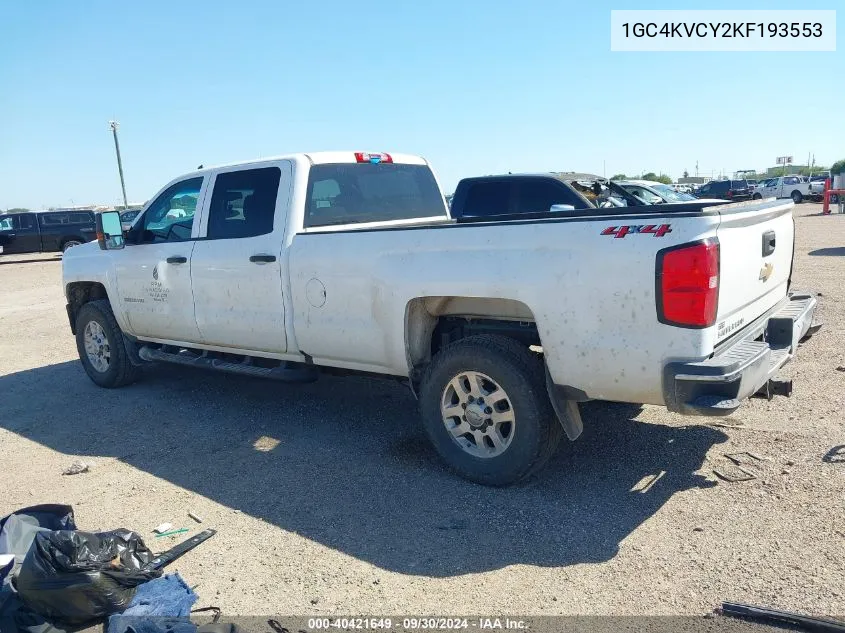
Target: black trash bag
[
  {"x": 18, "y": 530},
  {"x": 76, "y": 577}
]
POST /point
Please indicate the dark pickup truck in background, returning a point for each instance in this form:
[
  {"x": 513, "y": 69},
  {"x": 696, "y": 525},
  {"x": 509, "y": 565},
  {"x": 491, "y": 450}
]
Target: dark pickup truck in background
[{"x": 45, "y": 231}]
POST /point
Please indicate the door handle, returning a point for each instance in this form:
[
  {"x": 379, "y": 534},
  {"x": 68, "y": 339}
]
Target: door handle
[
  {"x": 768, "y": 243},
  {"x": 262, "y": 259},
  {"x": 177, "y": 260}
]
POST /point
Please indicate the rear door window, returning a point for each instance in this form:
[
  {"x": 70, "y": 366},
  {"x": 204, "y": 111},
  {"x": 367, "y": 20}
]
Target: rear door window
[
  {"x": 739, "y": 184},
  {"x": 350, "y": 193},
  {"x": 486, "y": 198},
  {"x": 537, "y": 195},
  {"x": 81, "y": 218},
  {"x": 243, "y": 203},
  {"x": 55, "y": 219}
]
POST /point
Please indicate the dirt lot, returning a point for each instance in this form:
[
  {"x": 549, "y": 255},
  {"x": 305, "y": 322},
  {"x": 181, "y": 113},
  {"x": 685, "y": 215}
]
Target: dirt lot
[{"x": 328, "y": 499}]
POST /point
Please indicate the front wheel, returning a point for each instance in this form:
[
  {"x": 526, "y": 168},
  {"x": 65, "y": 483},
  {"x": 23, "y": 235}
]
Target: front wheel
[
  {"x": 101, "y": 347},
  {"x": 757, "y": 196},
  {"x": 797, "y": 197},
  {"x": 486, "y": 410},
  {"x": 70, "y": 244}
]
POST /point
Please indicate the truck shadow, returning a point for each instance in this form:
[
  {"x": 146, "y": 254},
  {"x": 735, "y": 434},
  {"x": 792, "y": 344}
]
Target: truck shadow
[
  {"x": 343, "y": 462},
  {"x": 828, "y": 252}
]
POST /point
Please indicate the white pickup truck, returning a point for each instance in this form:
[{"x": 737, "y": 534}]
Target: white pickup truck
[
  {"x": 350, "y": 262},
  {"x": 795, "y": 187}
]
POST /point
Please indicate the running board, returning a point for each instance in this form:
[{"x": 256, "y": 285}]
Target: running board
[{"x": 286, "y": 372}]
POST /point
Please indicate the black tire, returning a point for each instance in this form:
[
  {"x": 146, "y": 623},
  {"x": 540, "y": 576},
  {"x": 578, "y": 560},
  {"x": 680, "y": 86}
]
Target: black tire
[
  {"x": 520, "y": 373},
  {"x": 71, "y": 243},
  {"x": 796, "y": 197},
  {"x": 120, "y": 370},
  {"x": 757, "y": 196}
]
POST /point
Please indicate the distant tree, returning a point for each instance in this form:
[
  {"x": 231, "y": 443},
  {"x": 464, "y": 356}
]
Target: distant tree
[
  {"x": 649, "y": 176},
  {"x": 17, "y": 210},
  {"x": 666, "y": 180},
  {"x": 686, "y": 174},
  {"x": 619, "y": 177},
  {"x": 838, "y": 167}
]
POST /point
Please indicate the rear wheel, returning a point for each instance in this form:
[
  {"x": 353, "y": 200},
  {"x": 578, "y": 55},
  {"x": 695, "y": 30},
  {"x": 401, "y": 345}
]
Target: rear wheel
[
  {"x": 757, "y": 196},
  {"x": 485, "y": 408},
  {"x": 797, "y": 197},
  {"x": 101, "y": 346}
]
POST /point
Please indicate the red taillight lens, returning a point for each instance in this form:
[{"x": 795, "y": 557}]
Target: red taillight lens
[
  {"x": 369, "y": 157},
  {"x": 730, "y": 194},
  {"x": 688, "y": 285}
]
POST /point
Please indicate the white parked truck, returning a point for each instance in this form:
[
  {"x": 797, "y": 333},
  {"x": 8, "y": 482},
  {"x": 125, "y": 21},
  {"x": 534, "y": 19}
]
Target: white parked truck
[
  {"x": 794, "y": 187},
  {"x": 350, "y": 262}
]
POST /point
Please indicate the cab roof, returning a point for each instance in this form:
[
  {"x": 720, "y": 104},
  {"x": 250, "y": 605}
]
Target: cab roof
[{"x": 319, "y": 158}]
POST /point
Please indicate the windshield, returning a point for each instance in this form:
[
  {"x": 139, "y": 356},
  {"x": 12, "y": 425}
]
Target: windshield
[{"x": 670, "y": 195}]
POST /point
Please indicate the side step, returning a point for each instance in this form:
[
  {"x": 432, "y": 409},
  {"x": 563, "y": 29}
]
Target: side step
[{"x": 285, "y": 372}]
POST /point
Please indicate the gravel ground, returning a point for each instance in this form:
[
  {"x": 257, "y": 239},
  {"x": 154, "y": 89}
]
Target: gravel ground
[{"x": 328, "y": 499}]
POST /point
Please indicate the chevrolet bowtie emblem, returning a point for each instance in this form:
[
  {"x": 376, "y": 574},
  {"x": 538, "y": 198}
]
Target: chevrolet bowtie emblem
[{"x": 766, "y": 272}]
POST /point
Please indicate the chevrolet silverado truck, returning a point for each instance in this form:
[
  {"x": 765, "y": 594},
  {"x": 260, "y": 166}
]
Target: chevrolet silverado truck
[
  {"x": 44, "y": 231},
  {"x": 501, "y": 324},
  {"x": 794, "y": 187}
]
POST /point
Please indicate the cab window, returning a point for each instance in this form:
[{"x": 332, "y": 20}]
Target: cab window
[
  {"x": 243, "y": 203},
  {"x": 170, "y": 217}
]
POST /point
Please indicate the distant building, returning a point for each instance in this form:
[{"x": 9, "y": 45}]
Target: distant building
[{"x": 694, "y": 180}]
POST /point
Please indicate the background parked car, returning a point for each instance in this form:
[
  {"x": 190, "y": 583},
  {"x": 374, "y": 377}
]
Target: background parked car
[
  {"x": 127, "y": 217},
  {"x": 652, "y": 192},
  {"x": 45, "y": 231},
  {"x": 734, "y": 190}
]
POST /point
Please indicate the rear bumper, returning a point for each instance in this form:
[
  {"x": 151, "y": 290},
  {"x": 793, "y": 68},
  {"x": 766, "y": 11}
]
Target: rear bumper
[{"x": 717, "y": 386}]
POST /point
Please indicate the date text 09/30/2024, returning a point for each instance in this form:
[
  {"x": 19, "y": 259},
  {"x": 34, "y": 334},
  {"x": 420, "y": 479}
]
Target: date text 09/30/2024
[{"x": 428, "y": 623}]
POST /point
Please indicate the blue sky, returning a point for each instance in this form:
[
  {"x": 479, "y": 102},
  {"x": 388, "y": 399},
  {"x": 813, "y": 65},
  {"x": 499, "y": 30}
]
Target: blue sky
[{"x": 475, "y": 87}]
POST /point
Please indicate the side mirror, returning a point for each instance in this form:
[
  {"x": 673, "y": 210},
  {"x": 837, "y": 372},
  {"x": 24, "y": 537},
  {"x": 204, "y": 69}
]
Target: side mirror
[
  {"x": 109, "y": 231},
  {"x": 561, "y": 207}
]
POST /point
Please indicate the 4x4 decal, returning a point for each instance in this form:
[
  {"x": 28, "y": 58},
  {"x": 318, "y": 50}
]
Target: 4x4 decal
[{"x": 653, "y": 229}]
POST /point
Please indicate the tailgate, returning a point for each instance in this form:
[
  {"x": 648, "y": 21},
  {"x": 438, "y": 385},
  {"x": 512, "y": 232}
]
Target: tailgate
[{"x": 756, "y": 248}]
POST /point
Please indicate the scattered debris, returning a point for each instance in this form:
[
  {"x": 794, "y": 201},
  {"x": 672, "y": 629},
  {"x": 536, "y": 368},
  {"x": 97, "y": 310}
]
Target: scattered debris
[
  {"x": 172, "y": 532},
  {"x": 726, "y": 425},
  {"x": 835, "y": 455},
  {"x": 739, "y": 458},
  {"x": 179, "y": 550},
  {"x": 840, "y": 368},
  {"x": 698, "y": 528},
  {"x": 746, "y": 475},
  {"x": 77, "y": 468},
  {"x": 164, "y": 527},
  {"x": 278, "y": 628},
  {"x": 783, "y": 617},
  {"x": 195, "y": 517}
]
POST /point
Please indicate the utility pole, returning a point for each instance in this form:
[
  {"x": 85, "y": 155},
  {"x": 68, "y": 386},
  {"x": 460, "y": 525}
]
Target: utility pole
[{"x": 113, "y": 126}]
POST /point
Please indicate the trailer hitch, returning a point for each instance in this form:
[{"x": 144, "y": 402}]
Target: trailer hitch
[{"x": 774, "y": 388}]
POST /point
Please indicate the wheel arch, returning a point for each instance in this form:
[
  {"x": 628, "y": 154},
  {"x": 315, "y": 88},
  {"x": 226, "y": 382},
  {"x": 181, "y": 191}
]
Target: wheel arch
[
  {"x": 70, "y": 238},
  {"x": 79, "y": 293},
  {"x": 426, "y": 318}
]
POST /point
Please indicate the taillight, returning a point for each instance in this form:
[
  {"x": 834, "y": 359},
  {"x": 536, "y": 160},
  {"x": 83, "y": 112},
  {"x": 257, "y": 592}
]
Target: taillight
[
  {"x": 730, "y": 193},
  {"x": 365, "y": 157},
  {"x": 688, "y": 284}
]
